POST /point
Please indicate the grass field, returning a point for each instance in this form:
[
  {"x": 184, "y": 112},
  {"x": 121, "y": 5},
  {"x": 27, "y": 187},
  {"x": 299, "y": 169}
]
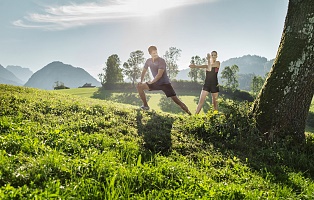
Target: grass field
[
  {"x": 83, "y": 92},
  {"x": 59, "y": 146},
  {"x": 190, "y": 99}
]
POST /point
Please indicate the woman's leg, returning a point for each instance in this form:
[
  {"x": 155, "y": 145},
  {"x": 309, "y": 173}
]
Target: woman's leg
[
  {"x": 201, "y": 101},
  {"x": 214, "y": 99}
]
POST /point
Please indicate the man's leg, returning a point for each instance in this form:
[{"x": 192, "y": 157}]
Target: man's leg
[
  {"x": 181, "y": 104},
  {"x": 140, "y": 88},
  {"x": 214, "y": 99},
  {"x": 200, "y": 104}
]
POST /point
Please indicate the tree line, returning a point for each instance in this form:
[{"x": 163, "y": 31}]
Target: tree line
[{"x": 114, "y": 72}]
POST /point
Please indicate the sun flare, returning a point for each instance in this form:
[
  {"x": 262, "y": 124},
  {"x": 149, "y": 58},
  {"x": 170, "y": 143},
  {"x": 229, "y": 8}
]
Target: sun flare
[{"x": 151, "y": 7}]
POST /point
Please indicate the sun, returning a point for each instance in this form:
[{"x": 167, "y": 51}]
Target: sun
[{"x": 150, "y": 7}]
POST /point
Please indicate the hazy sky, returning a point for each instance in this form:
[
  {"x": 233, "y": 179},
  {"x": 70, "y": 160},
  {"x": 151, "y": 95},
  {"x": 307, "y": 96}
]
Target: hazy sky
[{"x": 85, "y": 33}]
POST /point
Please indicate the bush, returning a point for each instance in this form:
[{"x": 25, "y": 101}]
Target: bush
[
  {"x": 61, "y": 87},
  {"x": 232, "y": 127},
  {"x": 186, "y": 85},
  {"x": 236, "y": 94}
]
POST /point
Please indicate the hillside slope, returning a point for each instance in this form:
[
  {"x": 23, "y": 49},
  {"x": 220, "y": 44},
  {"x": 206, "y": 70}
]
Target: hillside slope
[{"x": 54, "y": 145}]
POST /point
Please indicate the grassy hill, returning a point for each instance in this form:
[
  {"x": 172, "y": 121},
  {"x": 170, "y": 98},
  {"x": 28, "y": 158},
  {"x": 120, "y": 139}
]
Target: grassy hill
[
  {"x": 155, "y": 99},
  {"x": 60, "y": 146},
  {"x": 131, "y": 97}
]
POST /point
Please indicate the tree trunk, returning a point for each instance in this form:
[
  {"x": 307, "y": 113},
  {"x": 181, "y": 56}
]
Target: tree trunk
[{"x": 282, "y": 106}]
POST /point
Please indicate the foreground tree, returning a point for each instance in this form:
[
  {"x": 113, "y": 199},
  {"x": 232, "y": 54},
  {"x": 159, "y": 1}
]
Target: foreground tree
[
  {"x": 171, "y": 57},
  {"x": 282, "y": 106},
  {"x": 132, "y": 67}
]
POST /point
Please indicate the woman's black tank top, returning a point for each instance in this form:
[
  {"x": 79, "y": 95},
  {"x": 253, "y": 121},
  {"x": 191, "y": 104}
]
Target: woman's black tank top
[{"x": 211, "y": 76}]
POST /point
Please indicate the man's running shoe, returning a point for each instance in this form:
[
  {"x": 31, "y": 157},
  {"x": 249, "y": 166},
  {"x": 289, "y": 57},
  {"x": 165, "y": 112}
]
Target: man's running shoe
[{"x": 145, "y": 107}]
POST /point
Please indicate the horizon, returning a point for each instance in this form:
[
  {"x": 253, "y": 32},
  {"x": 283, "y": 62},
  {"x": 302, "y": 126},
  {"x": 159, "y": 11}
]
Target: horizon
[{"x": 121, "y": 65}]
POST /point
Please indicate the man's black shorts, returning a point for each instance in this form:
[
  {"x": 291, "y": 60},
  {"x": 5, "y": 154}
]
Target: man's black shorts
[{"x": 166, "y": 88}]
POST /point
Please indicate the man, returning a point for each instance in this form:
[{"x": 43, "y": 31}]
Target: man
[{"x": 160, "y": 82}]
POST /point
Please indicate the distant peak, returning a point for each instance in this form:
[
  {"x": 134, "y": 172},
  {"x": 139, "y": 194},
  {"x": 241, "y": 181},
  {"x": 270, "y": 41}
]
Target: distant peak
[{"x": 56, "y": 62}]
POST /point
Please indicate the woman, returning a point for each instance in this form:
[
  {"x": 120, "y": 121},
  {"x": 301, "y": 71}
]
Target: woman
[{"x": 211, "y": 81}]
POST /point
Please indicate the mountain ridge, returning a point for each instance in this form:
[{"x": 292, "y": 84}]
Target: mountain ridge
[
  {"x": 21, "y": 73},
  {"x": 71, "y": 76},
  {"x": 7, "y": 77},
  {"x": 248, "y": 64}
]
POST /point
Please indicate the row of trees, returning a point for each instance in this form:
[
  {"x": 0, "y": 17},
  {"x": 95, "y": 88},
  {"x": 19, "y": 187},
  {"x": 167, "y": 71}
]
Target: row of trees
[
  {"x": 114, "y": 73},
  {"x": 132, "y": 68}
]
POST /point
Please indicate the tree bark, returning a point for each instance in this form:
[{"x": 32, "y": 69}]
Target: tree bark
[{"x": 282, "y": 106}]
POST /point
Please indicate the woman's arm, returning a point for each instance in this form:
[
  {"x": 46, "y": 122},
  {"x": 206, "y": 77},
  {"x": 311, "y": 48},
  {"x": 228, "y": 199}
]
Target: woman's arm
[
  {"x": 218, "y": 64},
  {"x": 198, "y": 66}
]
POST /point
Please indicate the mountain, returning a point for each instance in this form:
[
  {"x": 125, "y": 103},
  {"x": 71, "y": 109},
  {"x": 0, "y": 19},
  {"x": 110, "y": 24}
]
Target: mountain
[
  {"x": 268, "y": 65},
  {"x": 22, "y": 73},
  {"x": 183, "y": 74},
  {"x": 7, "y": 77},
  {"x": 72, "y": 77},
  {"x": 245, "y": 81},
  {"x": 249, "y": 64}
]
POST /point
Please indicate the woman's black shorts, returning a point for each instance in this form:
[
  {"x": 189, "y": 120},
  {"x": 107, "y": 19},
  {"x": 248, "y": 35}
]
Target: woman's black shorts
[{"x": 213, "y": 88}]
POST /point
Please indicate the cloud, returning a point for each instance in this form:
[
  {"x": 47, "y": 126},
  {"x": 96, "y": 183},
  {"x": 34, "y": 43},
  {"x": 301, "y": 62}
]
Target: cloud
[{"x": 75, "y": 15}]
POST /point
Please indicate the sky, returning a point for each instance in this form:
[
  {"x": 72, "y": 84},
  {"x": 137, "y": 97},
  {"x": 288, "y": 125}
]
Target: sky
[{"x": 85, "y": 33}]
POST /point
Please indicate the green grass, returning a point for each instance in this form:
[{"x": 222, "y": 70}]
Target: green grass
[
  {"x": 189, "y": 98},
  {"x": 60, "y": 146},
  {"x": 154, "y": 99},
  {"x": 83, "y": 92}
]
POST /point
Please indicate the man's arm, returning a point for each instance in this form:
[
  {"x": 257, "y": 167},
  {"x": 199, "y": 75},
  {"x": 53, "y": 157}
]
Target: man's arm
[
  {"x": 158, "y": 76},
  {"x": 143, "y": 74}
]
